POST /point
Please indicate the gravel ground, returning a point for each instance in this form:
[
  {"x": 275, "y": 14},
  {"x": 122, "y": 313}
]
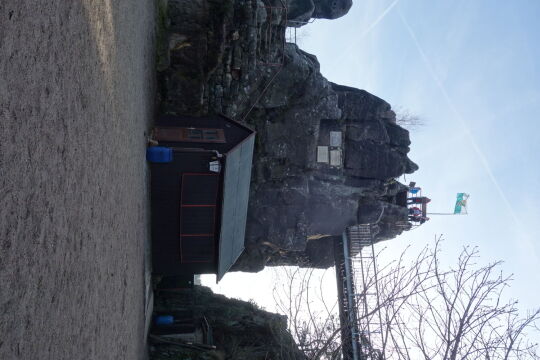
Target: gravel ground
[{"x": 76, "y": 98}]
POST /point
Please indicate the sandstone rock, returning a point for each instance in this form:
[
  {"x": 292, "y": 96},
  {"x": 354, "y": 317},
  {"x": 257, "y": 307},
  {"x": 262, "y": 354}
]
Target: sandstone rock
[
  {"x": 331, "y": 9},
  {"x": 301, "y": 11},
  {"x": 240, "y": 329},
  {"x": 326, "y": 155}
]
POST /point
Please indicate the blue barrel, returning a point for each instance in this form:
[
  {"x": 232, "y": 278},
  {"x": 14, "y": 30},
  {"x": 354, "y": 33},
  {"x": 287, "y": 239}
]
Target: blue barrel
[
  {"x": 159, "y": 154},
  {"x": 164, "y": 320}
]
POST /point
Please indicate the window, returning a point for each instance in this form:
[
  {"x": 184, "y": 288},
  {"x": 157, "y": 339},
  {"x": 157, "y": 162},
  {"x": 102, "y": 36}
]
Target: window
[
  {"x": 182, "y": 134},
  {"x": 195, "y": 134},
  {"x": 210, "y": 134},
  {"x": 198, "y": 216}
]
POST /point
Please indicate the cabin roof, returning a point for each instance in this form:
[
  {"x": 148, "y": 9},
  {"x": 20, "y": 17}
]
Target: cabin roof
[{"x": 237, "y": 177}]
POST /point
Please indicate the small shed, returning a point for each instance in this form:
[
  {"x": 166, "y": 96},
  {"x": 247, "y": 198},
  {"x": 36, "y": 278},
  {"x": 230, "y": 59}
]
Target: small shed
[{"x": 200, "y": 198}]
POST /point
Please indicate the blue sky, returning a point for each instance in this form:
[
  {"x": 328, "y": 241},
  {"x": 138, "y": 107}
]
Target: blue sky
[{"x": 470, "y": 69}]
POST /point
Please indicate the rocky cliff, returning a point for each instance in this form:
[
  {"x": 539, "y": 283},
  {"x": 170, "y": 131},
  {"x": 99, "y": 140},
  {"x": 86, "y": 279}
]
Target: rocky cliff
[
  {"x": 326, "y": 155},
  {"x": 239, "y": 330}
]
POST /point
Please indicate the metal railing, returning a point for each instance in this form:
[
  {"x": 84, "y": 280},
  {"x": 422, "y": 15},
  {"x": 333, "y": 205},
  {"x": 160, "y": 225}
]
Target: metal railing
[{"x": 358, "y": 293}]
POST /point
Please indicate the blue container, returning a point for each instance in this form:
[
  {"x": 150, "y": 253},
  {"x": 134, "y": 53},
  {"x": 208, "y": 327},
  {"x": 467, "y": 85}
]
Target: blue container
[
  {"x": 159, "y": 154},
  {"x": 164, "y": 320}
]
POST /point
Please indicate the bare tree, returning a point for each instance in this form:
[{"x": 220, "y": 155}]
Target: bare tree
[
  {"x": 303, "y": 295},
  {"x": 312, "y": 317},
  {"x": 427, "y": 311},
  {"x": 461, "y": 313},
  {"x": 408, "y": 120}
]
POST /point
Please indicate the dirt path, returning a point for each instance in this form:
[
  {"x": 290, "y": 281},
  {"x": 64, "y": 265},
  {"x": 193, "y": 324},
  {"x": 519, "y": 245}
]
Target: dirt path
[{"x": 76, "y": 97}]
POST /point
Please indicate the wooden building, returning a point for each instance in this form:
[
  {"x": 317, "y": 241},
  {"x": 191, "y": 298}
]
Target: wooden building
[{"x": 200, "y": 198}]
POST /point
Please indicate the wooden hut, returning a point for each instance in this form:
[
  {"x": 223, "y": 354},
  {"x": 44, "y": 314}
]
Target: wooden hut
[{"x": 200, "y": 198}]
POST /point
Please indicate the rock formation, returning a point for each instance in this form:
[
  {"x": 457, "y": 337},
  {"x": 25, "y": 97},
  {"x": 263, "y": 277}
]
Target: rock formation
[
  {"x": 240, "y": 330},
  {"x": 295, "y": 197},
  {"x": 326, "y": 155},
  {"x": 301, "y": 11}
]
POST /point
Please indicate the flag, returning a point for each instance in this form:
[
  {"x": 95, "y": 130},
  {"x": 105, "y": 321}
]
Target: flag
[{"x": 461, "y": 203}]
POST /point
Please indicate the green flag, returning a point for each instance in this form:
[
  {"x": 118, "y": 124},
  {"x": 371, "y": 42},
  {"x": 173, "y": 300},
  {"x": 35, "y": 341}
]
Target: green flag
[{"x": 461, "y": 203}]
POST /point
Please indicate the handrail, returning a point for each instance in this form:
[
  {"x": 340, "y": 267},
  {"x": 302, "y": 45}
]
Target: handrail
[{"x": 350, "y": 300}]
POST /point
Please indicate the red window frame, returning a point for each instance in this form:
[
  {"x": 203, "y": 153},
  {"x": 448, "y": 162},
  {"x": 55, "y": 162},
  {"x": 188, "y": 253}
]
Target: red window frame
[{"x": 182, "y": 206}]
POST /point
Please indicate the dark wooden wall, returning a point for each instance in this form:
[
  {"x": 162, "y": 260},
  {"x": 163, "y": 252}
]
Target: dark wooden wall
[{"x": 196, "y": 251}]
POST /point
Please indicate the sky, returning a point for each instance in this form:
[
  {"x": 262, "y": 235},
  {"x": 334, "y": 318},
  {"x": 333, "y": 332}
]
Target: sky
[{"x": 470, "y": 69}]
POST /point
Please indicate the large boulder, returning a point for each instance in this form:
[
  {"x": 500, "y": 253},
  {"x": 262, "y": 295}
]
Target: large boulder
[
  {"x": 240, "y": 329},
  {"x": 298, "y": 204},
  {"x": 331, "y": 9},
  {"x": 301, "y": 11},
  {"x": 299, "y": 200}
]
